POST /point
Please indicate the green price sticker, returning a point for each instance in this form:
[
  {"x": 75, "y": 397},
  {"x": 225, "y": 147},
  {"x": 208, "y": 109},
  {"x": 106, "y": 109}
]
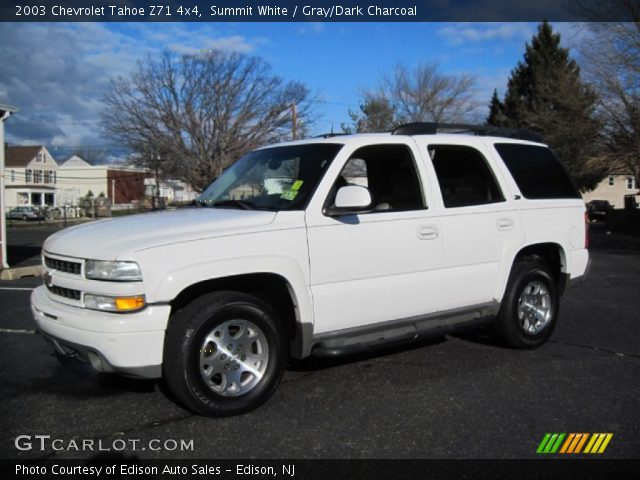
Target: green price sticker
[{"x": 289, "y": 195}]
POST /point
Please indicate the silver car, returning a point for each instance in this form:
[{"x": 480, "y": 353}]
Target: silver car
[{"x": 25, "y": 213}]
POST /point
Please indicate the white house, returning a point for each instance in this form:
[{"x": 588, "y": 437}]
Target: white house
[
  {"x": 121, "y": 184},
  {"x": 77, "y": 178},
  {"x": 31, "y": 175},
  {"x": 613, "y": 188}
]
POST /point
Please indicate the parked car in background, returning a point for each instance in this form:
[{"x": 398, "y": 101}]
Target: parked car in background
[
  {"x": 25, "y": 213},
  {"x": 598, "y": 209}
]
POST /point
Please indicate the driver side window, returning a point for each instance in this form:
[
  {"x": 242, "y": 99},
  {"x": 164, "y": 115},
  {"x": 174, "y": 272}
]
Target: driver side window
[{"x": 389, "y": 172}]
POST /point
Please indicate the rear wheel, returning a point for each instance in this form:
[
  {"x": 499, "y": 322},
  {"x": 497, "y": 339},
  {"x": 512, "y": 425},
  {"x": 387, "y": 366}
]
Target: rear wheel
[
  {"x": 530, "y": 306},
  {"x": 224, "y": 354}
]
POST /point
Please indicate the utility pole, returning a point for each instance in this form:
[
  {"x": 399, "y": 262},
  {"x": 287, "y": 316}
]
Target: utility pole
[{"x": 294, "y": 121}]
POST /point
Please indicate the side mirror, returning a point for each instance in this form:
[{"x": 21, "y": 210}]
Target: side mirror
[{"x": 350, "y": 200}]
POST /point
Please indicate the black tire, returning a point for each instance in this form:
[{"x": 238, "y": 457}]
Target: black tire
[
  {"x": 508, "y": 326},
  {"x": 189, "y": 328}
]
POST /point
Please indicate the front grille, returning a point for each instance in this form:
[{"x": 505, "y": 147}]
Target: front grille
[
  {"x": 63, "y": 265},
  {"x": 64, "y": 292}
]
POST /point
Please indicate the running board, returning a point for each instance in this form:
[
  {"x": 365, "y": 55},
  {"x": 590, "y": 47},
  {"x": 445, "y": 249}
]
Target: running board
[{"x": 403, "y": 331}]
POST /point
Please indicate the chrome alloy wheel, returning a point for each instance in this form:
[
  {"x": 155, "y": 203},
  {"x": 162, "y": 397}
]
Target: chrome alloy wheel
[
  {"x": 234, "y": 357},
  {"x": 534, "y": 307}
]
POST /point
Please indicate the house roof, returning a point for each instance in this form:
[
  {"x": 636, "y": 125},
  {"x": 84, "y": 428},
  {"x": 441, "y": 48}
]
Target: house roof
[
  {"x": 76, "y": 161},
  {"x": 21, "y": 156}
]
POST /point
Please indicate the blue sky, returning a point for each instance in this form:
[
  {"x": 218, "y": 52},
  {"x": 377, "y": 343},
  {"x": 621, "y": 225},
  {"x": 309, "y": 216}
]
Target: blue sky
[{"x": 57, "y": 73}]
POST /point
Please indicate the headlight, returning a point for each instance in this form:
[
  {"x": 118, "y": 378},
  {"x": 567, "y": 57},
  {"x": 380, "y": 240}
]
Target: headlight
[
  {"x": 112, "y": 271},
  {"x": 114, "y": 304}
]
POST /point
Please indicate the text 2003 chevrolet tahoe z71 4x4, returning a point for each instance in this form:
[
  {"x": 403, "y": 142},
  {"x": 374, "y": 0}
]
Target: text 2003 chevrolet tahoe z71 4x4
[{"x": 322, "y": 246}]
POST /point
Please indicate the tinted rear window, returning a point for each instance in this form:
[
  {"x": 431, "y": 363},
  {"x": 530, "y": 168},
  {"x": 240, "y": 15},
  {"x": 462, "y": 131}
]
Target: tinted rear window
[{"x": 537, "y": 171}]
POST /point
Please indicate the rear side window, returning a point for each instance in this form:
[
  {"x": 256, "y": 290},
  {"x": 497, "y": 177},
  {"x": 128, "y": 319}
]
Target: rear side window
[
  {"x": 464, "y": 177},
  {"x": 537, "y": 171}
]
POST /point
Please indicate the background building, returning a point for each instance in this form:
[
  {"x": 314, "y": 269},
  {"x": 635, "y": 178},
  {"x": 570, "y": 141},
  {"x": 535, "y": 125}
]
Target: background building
[
  {"x": 613, "y": 188},
  {"x": 30, "y": 176},
  {"x": 121, "y": 184},
  {"x": 173, "y": 191}
]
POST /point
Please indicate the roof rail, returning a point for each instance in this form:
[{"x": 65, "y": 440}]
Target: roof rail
[
  {"x": 429, "y": 128},
  {"x": 329, "y": 135}
]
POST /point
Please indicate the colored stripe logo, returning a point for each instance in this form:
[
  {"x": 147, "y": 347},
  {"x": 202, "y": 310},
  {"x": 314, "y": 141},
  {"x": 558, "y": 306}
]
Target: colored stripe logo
[{"x": 574, "y": 443}]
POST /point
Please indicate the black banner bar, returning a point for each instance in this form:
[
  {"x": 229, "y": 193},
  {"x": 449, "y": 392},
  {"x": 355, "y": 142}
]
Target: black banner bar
[
  {"x": 309, "y": 10},
  {"x": 112, "y": 468}
]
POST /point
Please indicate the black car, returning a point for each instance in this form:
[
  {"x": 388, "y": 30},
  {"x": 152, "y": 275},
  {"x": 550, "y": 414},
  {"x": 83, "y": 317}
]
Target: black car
[{"x": 598, "y": 209}]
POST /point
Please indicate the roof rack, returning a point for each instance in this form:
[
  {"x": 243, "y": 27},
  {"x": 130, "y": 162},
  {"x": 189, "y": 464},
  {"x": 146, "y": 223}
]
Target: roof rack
[{"x": 428, "y": 128}]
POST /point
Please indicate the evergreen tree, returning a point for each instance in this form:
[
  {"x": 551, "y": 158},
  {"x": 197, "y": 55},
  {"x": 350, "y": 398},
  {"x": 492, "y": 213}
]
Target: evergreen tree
[
  {"x": 546, "y": 94},
  {"x": 376, "y": 115},
  {"x": 496, "y": 117}
]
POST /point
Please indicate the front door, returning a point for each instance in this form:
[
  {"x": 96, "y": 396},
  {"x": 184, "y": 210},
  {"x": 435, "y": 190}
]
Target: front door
[{"x": 382, "y": 265}]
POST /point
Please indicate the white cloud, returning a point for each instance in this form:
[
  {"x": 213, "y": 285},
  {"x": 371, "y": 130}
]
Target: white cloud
[
  {"x": 461, "y": 33},
  {"x": 235, "y": 43},
  {"x": 311, "y": 28},
  {"x": 57, "y": 73}
]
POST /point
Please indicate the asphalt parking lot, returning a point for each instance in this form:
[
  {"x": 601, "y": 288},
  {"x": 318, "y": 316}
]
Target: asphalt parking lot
[{"x": 457, "y": 397}]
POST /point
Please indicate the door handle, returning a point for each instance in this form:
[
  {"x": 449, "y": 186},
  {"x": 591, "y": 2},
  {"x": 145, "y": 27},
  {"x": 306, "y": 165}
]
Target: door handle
[
  {"x": 427, "y": 232},
  {"x": 504, "y": 223}
]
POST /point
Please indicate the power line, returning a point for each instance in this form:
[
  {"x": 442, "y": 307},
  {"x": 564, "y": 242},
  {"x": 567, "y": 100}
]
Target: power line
[{"x": 23, "y": 176}]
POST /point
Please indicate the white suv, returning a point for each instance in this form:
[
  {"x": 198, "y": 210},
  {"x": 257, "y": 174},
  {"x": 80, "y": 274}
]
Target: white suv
[{"x": 324, "y": 246}]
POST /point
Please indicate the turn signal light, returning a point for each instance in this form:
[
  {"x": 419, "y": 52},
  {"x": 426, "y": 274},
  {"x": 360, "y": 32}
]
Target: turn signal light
[{"x": 124, "y": 304}]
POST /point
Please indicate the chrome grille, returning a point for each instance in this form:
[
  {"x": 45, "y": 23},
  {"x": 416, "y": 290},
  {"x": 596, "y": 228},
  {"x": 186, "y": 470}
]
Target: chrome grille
[
  {"x": 64, "y": 292},
  {"x": 63, "y": 265}
]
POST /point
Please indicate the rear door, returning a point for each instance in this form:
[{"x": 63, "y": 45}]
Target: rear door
[{"x": 479, "y": 220}]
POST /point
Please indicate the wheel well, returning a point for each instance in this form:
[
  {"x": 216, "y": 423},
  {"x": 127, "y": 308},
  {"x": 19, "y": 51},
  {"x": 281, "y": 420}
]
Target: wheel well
[
  {"x": 549, "y": 253},
  {"x": 271, "y": 288}
]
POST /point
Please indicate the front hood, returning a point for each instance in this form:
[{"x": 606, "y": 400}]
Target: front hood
[{"x": 119, "y": 238}]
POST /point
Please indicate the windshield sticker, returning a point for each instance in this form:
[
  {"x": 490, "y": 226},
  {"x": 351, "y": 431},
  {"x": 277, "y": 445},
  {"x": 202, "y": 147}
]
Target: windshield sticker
[
  {"x": 296, "y": 185},
  {"x": 289, "y": 194}
]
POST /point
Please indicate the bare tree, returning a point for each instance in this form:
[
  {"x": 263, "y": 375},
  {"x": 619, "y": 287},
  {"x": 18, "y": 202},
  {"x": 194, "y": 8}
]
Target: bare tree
[
  {"x": 423, "y": 94},
  {"x": 192, "y": 116},
  {"x": 611, "y": 57}
]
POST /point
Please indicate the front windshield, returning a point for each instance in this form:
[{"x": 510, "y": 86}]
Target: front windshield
[{"x": 278, "y": 178}]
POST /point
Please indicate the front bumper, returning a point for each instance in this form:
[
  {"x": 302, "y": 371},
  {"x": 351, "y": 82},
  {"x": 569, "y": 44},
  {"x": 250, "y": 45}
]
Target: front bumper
[{"x": 129, "y": 344}]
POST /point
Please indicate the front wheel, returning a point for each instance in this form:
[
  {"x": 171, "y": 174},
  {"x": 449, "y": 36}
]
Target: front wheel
[
  {"x": 224, "y": 354},
  {"x": 530, "y": 306}
]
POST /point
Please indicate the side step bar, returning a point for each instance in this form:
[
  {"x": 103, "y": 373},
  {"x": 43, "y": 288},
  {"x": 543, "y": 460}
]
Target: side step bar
[{"x": 398, "y": 332}]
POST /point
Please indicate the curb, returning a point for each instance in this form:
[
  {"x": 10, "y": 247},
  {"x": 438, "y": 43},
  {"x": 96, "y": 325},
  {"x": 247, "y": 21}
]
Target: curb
[{"x": 20, "y": 272}]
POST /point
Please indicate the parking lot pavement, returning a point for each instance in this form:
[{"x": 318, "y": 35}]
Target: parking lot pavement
[{"x": 458, "y": 397}]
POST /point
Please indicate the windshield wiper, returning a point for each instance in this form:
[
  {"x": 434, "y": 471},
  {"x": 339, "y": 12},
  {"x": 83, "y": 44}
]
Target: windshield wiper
[{"x": 244, "y": 204}]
